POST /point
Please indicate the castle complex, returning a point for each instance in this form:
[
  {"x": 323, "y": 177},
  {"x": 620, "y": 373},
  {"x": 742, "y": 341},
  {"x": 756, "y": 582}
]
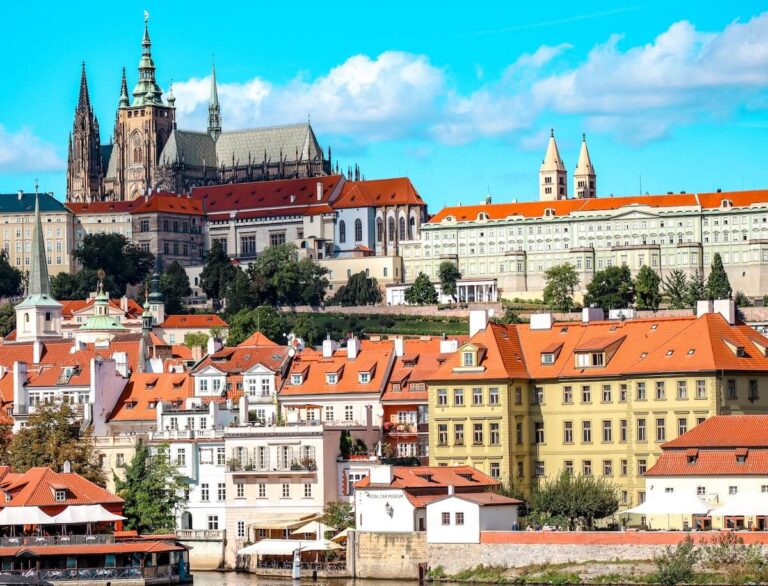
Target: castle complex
[{"x": 149, "y": 152}]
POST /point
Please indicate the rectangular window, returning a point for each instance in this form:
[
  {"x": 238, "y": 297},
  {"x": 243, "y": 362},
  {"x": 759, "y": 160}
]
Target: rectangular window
[
  {"x": 641, "y": 391},
  {"x": 568, "y": 432},
  {"x": 495, "y": 434},
  {"x": 477, "y": 434},
  {"x": 518, "y": 395},
  {"x": 538, "y": 468},
  {"x": 307, "y": 491},
  {"x": 624, "y": 467},
  {"x": 286, "y": 490},
  {"x": 586, "y": 468},
  {"x": 262, "y": 491},
  {"x": 213, "y": 522},
  {"x": 567, "y": 395},
  {"x": 586, "y": 432},
  {"x": 477, "y": 396},
  {"x": 240, "y": 490},
  {"x": 519, "y": 432},
  {"x": 458, "y": 434},
  {"x": 221, "y": 493},
  {"x": 607, "y": 467},
  {"x": 442, "y": 435},
  {"x": 442, "y": 396},
  {"x": 682, "y": 425},
  {"x": 623, "y": 393},
  {"x": 701, "y": 389},
  {"x": 181, "y": 457},
  {"x": 493, "y": 396},
  {"x": 606, "y": 393},
  {"x": 661, "y": 430},
  {"x": 458, "y": 397},
  {"x": 733, "y": 490},
  {"x": 753, "y": 394},
  {"x": 221, "y": 456},
  {"x": 538, "y": 395},
  {"x": 277, "y": 238},
  {"x": 642, "y": 466},
  {"x": 661, "y": 393},
  {"x": 607, "y": 430},
  {"x": 641, "y": 430},
  {"x": 349, "y": 413},
  {"x": 495, "y": 470},
  {"x": 623, "y": 430},
  {"x": 586, "y": 394},
  {"x": 204, "y": 496},
  {"x": 538, "y": 432},
  {"x": 241, "y": 529},
  {"x": 446, "y": 518},
  {"x": 701, "y": 491},
  {"x": 682, "y": 389},
  {"x": 568, "y": 466},
  {"x": 459, "y": 518}
]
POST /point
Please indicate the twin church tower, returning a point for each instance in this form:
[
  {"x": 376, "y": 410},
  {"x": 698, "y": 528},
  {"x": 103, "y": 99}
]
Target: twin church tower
[
  {"x": 149, "y": 152},
  {"x": 553, "y": 176}
]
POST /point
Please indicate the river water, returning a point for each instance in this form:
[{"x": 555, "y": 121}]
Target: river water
[{"x": 242, "y": 579}]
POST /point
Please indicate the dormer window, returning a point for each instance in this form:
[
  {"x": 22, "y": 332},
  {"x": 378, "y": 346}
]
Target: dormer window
[
  {"x": 547, "y": 357},
  {"x": 468, "y": 358},
  {"x": 8, "y": 497},
  {"x": 726, "y": 203},
  {"x": 60, "y": 495},
  {"x": 295, "y": 379},
  {"x": 331, "y": 378},
  {"x": 364, "y": 377},
  {"x": 396, "y": 387},
  {"x": 691, "y": 456},
  {"x": 589, "y": 359}
]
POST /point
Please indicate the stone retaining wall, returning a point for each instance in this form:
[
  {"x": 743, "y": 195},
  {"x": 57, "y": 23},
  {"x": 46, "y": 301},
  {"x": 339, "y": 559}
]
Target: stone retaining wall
[{"x": 391, "y": 556}]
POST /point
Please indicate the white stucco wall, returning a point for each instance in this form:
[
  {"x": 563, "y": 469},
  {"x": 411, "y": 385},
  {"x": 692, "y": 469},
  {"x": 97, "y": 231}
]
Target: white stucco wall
[
  {"x": 372, "y": 515},
  {"x": 469, "y": 532}
]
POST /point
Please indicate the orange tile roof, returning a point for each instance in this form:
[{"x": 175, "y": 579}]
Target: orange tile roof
[
  {"x": 257, "y": 339},
  {"x": 413, "y": 477},
  {"x": 710, "y": 463},
  {"x": 425, "y": 358},
  {"x": 69, "y": 308},
  {"x": 725, "y": 431},
  {"x": 135, "y": 401},
  {"x": 36, "y": 486},
  {"x": 208, "y": 320},
  {"x": 501, "y": 357},
  {"x": 99, "y": 549},
  {"x": 169, "y": 203},
  {"x": 313, "y": 366},
  {"x": 536, "y": 209},
  {"x": 378, "y": 193},
  {"x": 103, "y": 207}
]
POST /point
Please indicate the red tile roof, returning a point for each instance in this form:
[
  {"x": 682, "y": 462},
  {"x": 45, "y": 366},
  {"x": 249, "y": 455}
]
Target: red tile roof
[
  {"x": 485, "y": 499},
  {"x": 145, "y": 389},
  {"x": 169, "y": 203},
  {"x": 262, "y": 195},
  {"x": 710, "y": 463},
  {"x": 99, "y": 549},
  {"x": 103, "y": 207},
  {"x": 378, "y": 193},
  {"x": 257, "y": 339},
  {"x": 36, "y": 487},
  {"x": 238, "y": 359},
  {"x": 434, "y": 477},
  {"x": 69, "y": 308},
  {"x": 725, "y": 431},
  {"x": 208, "y": 320}
]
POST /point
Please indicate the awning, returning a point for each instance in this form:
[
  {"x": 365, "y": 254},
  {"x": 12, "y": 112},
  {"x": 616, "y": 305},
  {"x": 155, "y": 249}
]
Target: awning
[
  {"x": 25, "y": 516},
  {"x": 75, "y": 514},
  {"x": 671, "y": 504},
  {"x": 314, "y": 527},
  {"x": 283, "y": 521},
  {"x": 744, "y": 505},
  {"x": 341, "y": 536},
  {"x": 320, "y": 545},
  {"x": 272, "y": 547}
]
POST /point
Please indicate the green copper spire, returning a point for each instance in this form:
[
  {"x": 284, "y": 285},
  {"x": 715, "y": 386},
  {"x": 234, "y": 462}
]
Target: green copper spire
[
  {"x": 214, "y": 110},
  {"x": 124, "y": 103},
  {"x": 39, "y": 284},
  {"x": 155, "y": 295},
  {"x": 146, "y": 92}
]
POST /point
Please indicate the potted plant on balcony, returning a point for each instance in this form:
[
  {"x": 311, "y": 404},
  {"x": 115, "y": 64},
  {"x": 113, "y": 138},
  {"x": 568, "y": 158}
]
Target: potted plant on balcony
[
  {"x": 389, "y": 426},
  {"x": 308, "y": 463},
  {"x": 234, "y": 464}
]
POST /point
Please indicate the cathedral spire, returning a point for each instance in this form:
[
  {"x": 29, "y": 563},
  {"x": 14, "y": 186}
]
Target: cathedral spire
[
  {"x": 552, "y": 173},
  {"x": 214, "y": 110},
  {"x": 83, "y": 100},
  {"x": 146, "y": 91},
  {"x": 124, "y": 103},
  {"x": 585, "y": 177},
  {"x": 38, "y": 283}
]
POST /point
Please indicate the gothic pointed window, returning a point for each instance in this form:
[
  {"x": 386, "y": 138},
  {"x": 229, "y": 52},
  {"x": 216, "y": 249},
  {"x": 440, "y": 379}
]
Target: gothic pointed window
[
  {"x": 391, "y": 229},
  {"x": 342, "y": 232},
  {"x": 136, "y": 146},
  {"x": 411, "y": 228},
  {"x": 401, "y": 234},
  {"x": 379, "y": 230},
  {"x": 358, "y": 230}
]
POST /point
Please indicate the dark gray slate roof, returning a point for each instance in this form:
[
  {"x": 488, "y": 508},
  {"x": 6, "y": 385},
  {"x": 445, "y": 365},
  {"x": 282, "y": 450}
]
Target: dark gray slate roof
[
  {"x": 192, "y": 148},
  {"x": 11, "y": 204}
]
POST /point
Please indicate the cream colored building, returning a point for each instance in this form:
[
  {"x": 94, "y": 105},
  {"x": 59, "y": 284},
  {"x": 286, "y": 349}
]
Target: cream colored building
[
  {"x": 385, "y": 269},
  {"x": 17, "y": 221}
]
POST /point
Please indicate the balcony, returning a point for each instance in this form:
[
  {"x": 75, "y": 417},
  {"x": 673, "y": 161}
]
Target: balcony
[
  {"x": 186, "y": 434},
  {"x": 201, "y": 534},
  {"x": 131, "y": 573},
  {"x": 263, "y": 467},
  {"x": 40, "y": 541},
  {"x": 400, "y": 429}
]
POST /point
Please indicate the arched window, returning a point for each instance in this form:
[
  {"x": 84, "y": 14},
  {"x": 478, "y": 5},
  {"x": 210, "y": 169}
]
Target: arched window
[
  {"x": 385, "y": 271},
  {"x": 402, "y": 229},
  {"x": 358, "y": 230},
  {"x": 411, "y": 228},
  {"x": 391, "y": 229},
  {"x": 26, "y": 318},
  {"x": 379, "y": 230},
  {"x": 342, "y": 232},
  {"x": 137, "y": 148}
]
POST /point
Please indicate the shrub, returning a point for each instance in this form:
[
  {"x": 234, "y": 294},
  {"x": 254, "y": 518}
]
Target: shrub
[
  {"x": 675, "y": 565},
  {"x": 728, "y": 553}
]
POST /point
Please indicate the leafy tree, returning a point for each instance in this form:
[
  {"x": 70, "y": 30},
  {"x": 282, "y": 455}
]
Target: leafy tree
[
  {"x": 742, "y": 300},
  {"x": 695, "y": 290},
  {"x": 345, "y": 444},
  {"x": 718, "y": 285},
  {"x": 422, "y": 292},
  {"x": 79, "y": 285},
  {"x": 675, "y": 287},
  {"x": 196, "y": 340},
  {"x": 580, "y": 499},
  {"x": 562, "y": 281},
  {"x": 265, "y": 319},
  {"x": 52, "y": 437},
  {"x": 647, "y": 288},
  {"x": 10, "y": 277},
  {"x": 675, "y": 565},
  {"x": 306, "y": 329},
  {"x": 7, "y": 319},
  {"x": 610, "y": 288},
  {"x": 174, "y": 284},
  {"x": 126, "y": 263},
  {"x": 449, "y": 274},
  {"x": 217, "y": 273},
  {"x": 510, "y": 317},
  {"x": 153, "y": 491},
  {"x": 278, "y": 278},
  {"x": 6, "y": 435},
  {"x": 340, "y": 516},
  {"x": 359, "y": 290},
  {"x": 238, "y": 293}
]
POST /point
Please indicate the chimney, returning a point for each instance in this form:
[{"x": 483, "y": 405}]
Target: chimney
[
  {"x": 197, "y": 353},
  {"x": 542, "y": 321},
  {"x": 319, "y": 191},
  {"x": 121, "y": 363},
  {"x": 3, "y": 370},
  {"x": 726, "y": 308},
  {"x": 214, "y": 345},
  {"x": 20, "y": 195},
  {"x": 448, "y": 346},
  {"x": 67, "y": 467},
  {"x": 293, "y": 199},
  {"x": 704, "y": 306},
  {"x": 124, "y": 304},
  {"x": 478, "y": 321},
  {"x": 37, "y": 351},
  {"x": 382, "y": 474},
  {"x": 353, "y": 347},
  {"x": 590, "y": 314},
  {"x": 399, "y": 346},
  {"x": 329, "y": 347},
  {"x": 450, "y": 489}
]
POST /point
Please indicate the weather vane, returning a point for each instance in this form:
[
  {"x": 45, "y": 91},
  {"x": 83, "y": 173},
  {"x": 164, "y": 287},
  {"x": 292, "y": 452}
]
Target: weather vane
[{"x": 146, "y": 16}]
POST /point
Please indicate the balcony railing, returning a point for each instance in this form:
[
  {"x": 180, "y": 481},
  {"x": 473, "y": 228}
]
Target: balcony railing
[
  {"x": 252, "y": 465},
  {"x": 100, "y": 574},
  {"x": 40, "y": 541},
  {"x": 201, "y": 534},
  {"x": 185, "y": 434},
  {"x": 400, "y": 429}
]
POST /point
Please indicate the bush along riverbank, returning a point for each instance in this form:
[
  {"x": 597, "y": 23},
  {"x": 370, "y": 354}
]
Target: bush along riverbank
[{"x": 725, "y": 559}]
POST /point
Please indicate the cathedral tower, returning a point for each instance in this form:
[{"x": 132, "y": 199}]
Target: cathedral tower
[
  {"x": 84, "y": 168},
  {"x": 142, "y": 128},
  {"x": 214, "y": 110},
  {"x": 553, "y": 177},
  {"x": 584, "y": 178}
]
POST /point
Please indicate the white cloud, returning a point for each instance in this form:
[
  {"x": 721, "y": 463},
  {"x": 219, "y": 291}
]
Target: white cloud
[
  {"x": 374, "y": 99},
  {"x": 23, "y": 152}
]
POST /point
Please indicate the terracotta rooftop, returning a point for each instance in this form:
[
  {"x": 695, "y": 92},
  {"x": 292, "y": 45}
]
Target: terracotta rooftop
[
  {"x": 36, "y": 487},
  {"x": 435, "y": 477},
  {"x": 208, "y": 320},
  {"x": 725, "y": 431},
  {"x": 378, "y": 193},
  {"x": 169, "y": 203},
  {"x": 139, "y": 399}
]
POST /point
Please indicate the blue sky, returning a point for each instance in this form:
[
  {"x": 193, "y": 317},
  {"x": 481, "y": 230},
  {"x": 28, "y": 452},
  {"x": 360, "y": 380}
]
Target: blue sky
[{"x": 458, "y": 96}]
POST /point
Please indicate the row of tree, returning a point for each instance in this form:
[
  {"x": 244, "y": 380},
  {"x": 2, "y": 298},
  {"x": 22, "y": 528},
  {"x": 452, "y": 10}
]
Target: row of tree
[{"x": 614, "y": 287}]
